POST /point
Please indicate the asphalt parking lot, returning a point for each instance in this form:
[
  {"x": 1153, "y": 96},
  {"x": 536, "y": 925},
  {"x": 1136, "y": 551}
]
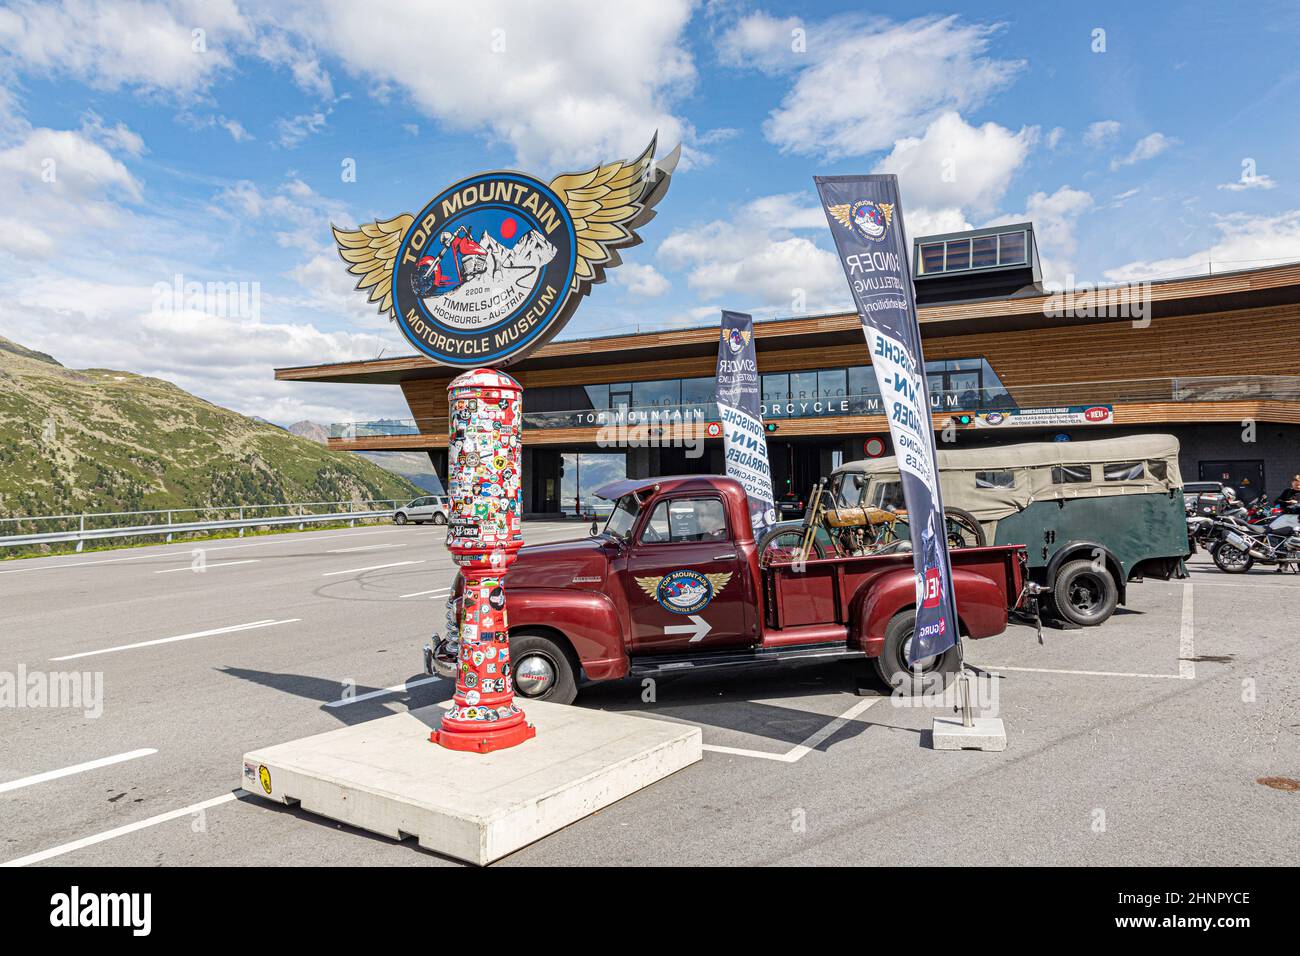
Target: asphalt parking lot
[{"x": 1139, "y": 743}]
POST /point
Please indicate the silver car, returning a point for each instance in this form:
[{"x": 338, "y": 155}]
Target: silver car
[{"x": 433, "y": 508}]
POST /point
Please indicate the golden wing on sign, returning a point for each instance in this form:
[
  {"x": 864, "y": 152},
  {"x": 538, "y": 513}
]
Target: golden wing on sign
[
  {"x": 719, "y": 580},
  {"x": 650, "y": 586},
  {"x": 841, "y": 214},
  {"x": 372, "y": 252},
  {"x": 608, "y": 204},
  {"x": 888, "y": 209}
]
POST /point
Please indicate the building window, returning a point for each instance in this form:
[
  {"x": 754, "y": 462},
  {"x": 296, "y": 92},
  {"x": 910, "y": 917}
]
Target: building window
[
  {"x": 932, "y": 258},
  {"x": 582, "y": 474},
  {"x": 661, "y": 393},
  {"x": 597, "y": 396},
  {"x": 1012, "y": 248},
  {"x": 699, "y": 391},
  {"x": 832, "y": 383},
  {"x": 803, "y": 386},
  {"x": 776, "y": 389},
  {"x": 958, "y": 255},
  {"x": 984, "y": 252}
]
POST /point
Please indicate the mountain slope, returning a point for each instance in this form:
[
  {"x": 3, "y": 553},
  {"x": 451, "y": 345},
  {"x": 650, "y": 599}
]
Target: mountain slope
[{"x": 102, "y": 440}]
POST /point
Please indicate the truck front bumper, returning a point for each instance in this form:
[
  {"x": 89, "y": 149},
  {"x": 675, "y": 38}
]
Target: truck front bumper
[{"x": 441, "y": 658}]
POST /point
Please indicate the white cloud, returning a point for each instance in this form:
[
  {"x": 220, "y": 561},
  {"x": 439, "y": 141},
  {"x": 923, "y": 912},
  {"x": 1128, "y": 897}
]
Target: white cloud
[
  {"x": 863, "y": 84},
  {"x": 1147, "y": 147},
  {"x": 1244, "y": 242},
  {"x": 279, "y": 49},
  {"x": 1101, "y": 132},
  {"x": 519, "y": 72},
  {"x": 1055, "y": 217},
  {"x": 59, "y": 184},
  {"x": 641, "y": 279},
  {"x": 957, "y": 166},
  {"x": 296, "y": 129},
  {"x": 1054, "y": 137},
  {"x": 110, "y": 44},
  {"x": 1258, "y": 181},
  {"x": 755, "y": 261}
]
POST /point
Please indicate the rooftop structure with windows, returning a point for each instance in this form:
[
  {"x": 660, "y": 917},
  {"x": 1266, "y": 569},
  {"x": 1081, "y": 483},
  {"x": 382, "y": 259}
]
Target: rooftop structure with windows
[{"x": 994, "y": 263}]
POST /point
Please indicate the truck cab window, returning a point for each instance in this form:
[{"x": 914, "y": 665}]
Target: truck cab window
[
  {"x": 686, "y": 519},
  {"x": 623, "y": 517},
  {"x": 889, "y": 496}
]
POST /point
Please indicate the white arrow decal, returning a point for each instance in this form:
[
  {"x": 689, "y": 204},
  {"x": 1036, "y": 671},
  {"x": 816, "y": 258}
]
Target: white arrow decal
[{"x": 697, "y": 630}]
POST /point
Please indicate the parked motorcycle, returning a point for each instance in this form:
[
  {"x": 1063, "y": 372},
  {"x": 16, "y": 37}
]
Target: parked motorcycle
[{"x": 1241, "y": 545}]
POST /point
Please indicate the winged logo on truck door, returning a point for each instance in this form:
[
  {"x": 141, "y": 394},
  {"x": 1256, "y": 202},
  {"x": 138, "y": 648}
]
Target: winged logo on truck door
[{"x": 684, "y": 591}]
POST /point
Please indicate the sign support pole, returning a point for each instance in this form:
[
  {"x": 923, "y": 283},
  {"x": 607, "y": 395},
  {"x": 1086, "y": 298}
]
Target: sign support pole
[{"x": 485, "y": 415}]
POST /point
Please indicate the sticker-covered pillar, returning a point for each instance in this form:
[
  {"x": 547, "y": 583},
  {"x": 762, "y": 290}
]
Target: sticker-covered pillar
[{"x": 483, "y": 457}]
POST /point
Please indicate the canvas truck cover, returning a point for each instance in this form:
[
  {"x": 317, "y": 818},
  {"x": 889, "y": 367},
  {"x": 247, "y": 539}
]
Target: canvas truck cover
[{"x": 1030, "y": 466}]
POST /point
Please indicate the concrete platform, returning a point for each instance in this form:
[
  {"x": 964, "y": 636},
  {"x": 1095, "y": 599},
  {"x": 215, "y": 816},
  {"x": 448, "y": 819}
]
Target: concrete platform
[
  {"x": 948, "y": 733},
  {"x": 386, "y": 777}
]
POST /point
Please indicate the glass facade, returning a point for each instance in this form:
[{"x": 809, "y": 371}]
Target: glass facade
[
  {"x": 581, "y": 474},
  {"x": 955, "y": 384}
]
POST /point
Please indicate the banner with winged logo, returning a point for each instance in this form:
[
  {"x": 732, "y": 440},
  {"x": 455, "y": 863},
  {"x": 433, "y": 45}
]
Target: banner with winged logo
[
  {"x": 741, "y": 416},
  {"x": 866, "y": 221},
  {"x": 493, "y": 267}
]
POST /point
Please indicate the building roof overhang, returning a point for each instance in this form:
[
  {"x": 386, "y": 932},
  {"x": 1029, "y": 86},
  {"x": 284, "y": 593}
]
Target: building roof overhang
[{"x": 1226, "y": 292}]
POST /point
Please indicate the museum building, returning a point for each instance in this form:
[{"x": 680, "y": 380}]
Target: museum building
[{"x": 1212, "y": 359}]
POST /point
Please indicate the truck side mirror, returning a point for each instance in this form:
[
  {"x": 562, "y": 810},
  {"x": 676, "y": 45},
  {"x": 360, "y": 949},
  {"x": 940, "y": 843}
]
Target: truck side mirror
[{"x": 594, "y": 530}]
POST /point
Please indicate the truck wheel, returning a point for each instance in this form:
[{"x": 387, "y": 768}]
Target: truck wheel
[
  {"x": 399, "y": 518},
  {"x": 931, "y": 674},
  {"x": 1084, "y": 594},
  {"x": 1231, "y": 560},
  {"x": 543, "y": 669}
]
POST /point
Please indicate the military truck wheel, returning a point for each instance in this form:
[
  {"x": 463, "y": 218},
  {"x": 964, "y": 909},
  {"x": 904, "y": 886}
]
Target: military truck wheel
[
  {"x": 931, "y": 673},
  {"x": 1084, "y": 594},
  {"x": 543, "y": 668}
]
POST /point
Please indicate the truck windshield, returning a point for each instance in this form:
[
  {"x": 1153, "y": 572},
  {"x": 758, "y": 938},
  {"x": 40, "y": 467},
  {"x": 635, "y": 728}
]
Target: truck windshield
[{"x": 623, "y": 517}]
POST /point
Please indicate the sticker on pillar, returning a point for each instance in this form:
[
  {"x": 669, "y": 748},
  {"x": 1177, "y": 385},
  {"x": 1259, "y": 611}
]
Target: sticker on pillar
[{"x": 684, "y": 591}]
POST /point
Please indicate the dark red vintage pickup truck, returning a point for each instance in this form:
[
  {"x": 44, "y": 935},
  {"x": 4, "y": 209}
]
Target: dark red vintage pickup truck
[{"x": 675, "y": 582}]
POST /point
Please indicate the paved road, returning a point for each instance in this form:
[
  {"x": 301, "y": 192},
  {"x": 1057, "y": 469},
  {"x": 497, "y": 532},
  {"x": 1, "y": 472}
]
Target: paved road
[{"x": 1137, "y": 743}]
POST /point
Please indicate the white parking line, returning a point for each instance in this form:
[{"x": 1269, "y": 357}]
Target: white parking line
[
  {"x": 364, "y": 547},
  {"x": 373, "y": 567},
  {"x": 180, "y": 637},
  {"x": 434, "y": 591},
  {"x": 808, "y": 745},
  {"x": 205, "y": 566},
  {"x": 1295, "y": 588},
  {"x": 1052, "y": 670},
  {"x": 1186, "y": 648},
  {"x": 75, "y": 768},
  {"x": 118, "y": 831}
]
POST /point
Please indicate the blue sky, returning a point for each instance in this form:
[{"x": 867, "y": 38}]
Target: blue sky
[{"x": 141, "y": 141}]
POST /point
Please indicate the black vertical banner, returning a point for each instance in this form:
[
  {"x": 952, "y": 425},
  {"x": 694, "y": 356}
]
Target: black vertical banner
[
  {"x": 866, "y": 220},
  {"x": 740, "y": 411}
]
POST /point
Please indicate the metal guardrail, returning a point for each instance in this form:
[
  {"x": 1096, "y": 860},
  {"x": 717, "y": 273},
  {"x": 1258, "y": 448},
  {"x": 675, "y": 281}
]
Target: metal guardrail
[{"x": 81, "y": 534}]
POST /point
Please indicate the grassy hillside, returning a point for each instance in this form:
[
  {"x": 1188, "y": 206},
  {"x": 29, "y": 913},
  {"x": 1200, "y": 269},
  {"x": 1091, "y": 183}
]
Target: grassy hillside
[{"x": 101, "y": 440}]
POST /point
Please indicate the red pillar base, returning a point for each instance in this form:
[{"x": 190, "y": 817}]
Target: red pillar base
[{"x": 484, "y": 741}]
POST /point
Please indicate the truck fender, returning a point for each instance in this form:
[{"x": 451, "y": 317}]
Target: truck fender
[
  {"x": 1073, "y": 550},
  {"x": 588, "y": 620},
  {"x": 981, "y": 600}
]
